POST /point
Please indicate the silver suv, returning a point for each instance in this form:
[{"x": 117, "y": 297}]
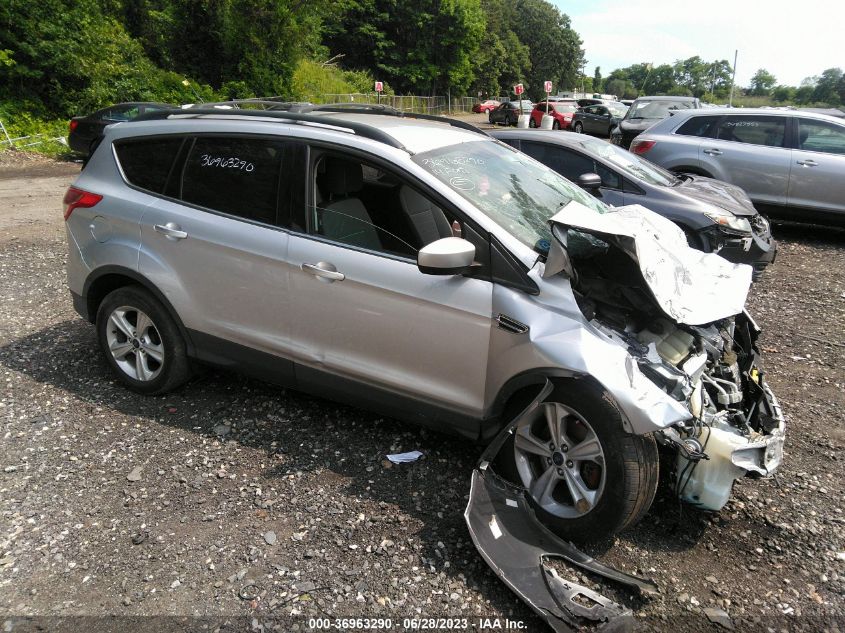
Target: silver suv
[
  {"x": 790, "y": 163},
  {"x": 420, "y": 268}
]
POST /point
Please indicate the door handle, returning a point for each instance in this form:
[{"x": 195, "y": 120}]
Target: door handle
[
  {"x": 713, "y": 152},
  {"x": 171, "y": 231},
  {"x": 809, "y": 162},
  {"x": 323, "y": 270}
]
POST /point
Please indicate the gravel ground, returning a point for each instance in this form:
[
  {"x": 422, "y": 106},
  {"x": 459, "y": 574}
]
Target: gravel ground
[{"x": 253, "y": 507}]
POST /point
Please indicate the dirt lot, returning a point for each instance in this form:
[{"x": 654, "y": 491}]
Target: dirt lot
[{"x": 253, "y": 507}]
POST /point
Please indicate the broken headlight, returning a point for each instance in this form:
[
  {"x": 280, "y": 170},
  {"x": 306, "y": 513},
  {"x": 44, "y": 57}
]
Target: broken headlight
[{"x": 727, "y": 220}]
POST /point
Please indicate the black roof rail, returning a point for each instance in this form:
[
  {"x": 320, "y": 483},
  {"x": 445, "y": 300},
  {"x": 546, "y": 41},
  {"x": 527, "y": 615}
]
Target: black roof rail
[
  {"x": 361, "y": 129},
  {"x": 302, "y": 114}
]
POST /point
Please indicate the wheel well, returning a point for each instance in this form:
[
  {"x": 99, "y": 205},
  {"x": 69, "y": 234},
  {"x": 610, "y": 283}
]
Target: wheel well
[
  {"x": 519, "y": 392},
  {"x": 101, "y": 286}
]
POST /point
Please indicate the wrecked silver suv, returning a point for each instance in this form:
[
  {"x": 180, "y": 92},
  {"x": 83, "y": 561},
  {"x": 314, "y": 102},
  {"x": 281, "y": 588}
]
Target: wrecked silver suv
[{"x": 422, "y": 269}]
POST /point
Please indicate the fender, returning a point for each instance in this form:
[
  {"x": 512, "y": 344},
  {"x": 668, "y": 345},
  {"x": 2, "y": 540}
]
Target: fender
[{"x": 104, "y": 279}]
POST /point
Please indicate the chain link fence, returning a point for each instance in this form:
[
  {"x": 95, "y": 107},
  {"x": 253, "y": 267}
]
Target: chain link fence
[{"x": 405, "y": 103}]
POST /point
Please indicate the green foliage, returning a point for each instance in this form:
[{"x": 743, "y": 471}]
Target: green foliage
[
  {"x": 692, "y": 76},
  {"x": 762, "y": 82},
  {"x": 312, "y": 79},
  {"x": 18, "y": 120}
]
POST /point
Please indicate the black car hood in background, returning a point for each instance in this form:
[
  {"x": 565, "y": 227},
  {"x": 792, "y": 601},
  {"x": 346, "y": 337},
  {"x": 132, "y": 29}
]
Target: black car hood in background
[{"x": 718, "y": 193}]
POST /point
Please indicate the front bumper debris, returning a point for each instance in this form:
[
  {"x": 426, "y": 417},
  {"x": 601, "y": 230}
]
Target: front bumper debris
[{"x": 518, "y": 547}]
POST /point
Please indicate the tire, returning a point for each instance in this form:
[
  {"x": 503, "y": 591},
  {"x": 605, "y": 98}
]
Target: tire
[
  {"x": 555, "y": 125},
  {"x": 696, "y": 240},
  {"x": 532, "y": 122},
  {"x": 579, "y": 127},
  {"x": 490, "y": 117},
  {"x": 617, "y": 477},
  {"x": 150, "y": 359}
]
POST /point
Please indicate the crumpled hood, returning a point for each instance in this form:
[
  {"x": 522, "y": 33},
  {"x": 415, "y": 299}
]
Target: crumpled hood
[
  {"x": 689, "y": 286},
  {"x": 718, "y": 193}
]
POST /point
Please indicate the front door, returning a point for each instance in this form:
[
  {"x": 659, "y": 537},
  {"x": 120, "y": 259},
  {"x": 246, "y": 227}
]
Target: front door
[{"x": 362, "y": 309}]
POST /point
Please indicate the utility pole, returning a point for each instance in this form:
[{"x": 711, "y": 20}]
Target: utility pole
[{"x": 733, "y": 80}]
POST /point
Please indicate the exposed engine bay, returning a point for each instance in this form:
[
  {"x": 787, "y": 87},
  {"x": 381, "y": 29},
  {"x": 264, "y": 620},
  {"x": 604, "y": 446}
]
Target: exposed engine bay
[{"x": 736, "y": 426}]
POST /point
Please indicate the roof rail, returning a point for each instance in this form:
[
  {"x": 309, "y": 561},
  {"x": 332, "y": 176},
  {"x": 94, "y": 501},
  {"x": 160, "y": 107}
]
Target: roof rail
[
  {"x": 301, "y": 113},
  {"x": 361, "y": 129}
]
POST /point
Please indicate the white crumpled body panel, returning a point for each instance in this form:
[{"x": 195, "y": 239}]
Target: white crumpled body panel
[{"x": 690, "y": 286}]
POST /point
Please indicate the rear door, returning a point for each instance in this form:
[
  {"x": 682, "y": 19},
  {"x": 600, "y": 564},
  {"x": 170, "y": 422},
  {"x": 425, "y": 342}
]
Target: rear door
[
  {"x": 817, "y": 179},
  {"x": 216, "y": 245},
  {"x": 751, "y": 151}
]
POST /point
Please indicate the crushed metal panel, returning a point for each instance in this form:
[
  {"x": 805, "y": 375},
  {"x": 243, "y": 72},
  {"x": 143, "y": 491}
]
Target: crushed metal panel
[
  {"x": 517, "y": 546},
  {"x": 690, "y": 286}
]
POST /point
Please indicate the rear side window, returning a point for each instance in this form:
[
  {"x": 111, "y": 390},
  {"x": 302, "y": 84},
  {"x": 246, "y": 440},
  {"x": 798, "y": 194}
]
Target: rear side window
[
  {"x": 754, "y": 130},
  {"x": 239, "y": 176},
  {"x": 821, "y": 136},
  {"x": 698, "y": 126},
  {"x": 146, "y": 163}
]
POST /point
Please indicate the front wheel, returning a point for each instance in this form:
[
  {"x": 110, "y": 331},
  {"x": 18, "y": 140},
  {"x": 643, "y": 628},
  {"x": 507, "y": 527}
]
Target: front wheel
[
  {"x": 532, "y": 122},
  {"x": 587, "y": 478},
  {"x": 579, "y": 127},
  {"x": 141, "y": 342},
  {"x": 555, "y": 125}
]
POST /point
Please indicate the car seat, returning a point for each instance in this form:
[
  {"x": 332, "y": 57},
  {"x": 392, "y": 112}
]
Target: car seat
[
  {"x": 344, "y": 217},
  {"x": 428, "y": 220}
]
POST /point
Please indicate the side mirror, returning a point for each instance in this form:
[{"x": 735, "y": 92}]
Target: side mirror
[
  {"x": 446, "y": 256},
  {"x": 590, "y": 182}
]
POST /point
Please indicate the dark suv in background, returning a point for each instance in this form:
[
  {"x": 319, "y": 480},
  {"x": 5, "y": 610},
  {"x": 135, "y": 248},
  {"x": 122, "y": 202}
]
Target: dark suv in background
[{"x": 645, "y": 112}]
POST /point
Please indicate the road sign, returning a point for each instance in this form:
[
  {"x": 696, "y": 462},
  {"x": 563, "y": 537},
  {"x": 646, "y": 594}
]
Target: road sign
[
  {"x": 379, "y": 86},
  {"x": 547, "y": 86},
  {"x": 518, "y": 89}
]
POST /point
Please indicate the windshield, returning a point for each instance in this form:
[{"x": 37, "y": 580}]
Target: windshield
[
  {"x": 657, "y": 109},
  {"x": 515, "y": 191},
  {"x": 634, "y": 165}
]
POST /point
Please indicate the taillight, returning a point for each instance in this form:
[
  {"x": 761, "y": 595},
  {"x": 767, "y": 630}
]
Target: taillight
[
  {"x": 641, "y": 147},
  {"x": 73, "y": 124},
  {"x": 77, "y": 198}
]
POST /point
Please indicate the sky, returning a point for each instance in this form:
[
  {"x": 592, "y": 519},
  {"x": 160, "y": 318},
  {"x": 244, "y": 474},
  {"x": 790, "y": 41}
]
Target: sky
[{"x": 792, "y": 40}]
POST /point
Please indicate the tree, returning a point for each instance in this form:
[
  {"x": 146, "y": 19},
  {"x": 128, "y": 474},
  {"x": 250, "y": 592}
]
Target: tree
[
  {"x": 827, "y": 87},
  {"x": 782, "y": 94},
  {"x": 556, "y": 53},
  {"x": 762, "y": 82},
  {"x": 597, "y": 79}
]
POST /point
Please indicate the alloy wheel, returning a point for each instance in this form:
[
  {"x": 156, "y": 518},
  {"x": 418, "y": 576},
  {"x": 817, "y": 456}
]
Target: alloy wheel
[
  {"x": 560, "y": 461},
  {"x": 135, "y": 343}
]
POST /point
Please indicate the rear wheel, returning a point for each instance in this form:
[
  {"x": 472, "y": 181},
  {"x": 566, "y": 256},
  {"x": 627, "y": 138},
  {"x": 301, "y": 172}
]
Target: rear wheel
[
  {"x": 532, "y": 122},
  {"x": 141, "y": 342},
  {"x": 579, "y": 127},
  {"x": 490, "y": 117},
  {"x": 585, "y": 476}
]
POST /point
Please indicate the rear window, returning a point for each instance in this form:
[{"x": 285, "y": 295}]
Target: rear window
[
  {"x": 146, "y": 163},
  {"x": 239, "y": 176}
]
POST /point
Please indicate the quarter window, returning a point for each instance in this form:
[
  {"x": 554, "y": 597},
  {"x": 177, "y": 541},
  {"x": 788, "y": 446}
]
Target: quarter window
[
  {"x": 239, "y": 176},
  {"x": 754, "y": 130},
  {"x": 697, "y": 126},
  {"x": 146, "y": 163},
  {"x": 821, "y": 136}
]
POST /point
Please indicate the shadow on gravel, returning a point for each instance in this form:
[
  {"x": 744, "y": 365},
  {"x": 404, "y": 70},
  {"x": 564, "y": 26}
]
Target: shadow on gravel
[
  {"x": 346, "y": 446},
  {"x": 314, "y": 435}
]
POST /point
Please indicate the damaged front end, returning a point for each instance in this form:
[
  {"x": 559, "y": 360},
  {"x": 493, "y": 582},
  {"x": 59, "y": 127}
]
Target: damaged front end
[{"x": 679, "y": 314}]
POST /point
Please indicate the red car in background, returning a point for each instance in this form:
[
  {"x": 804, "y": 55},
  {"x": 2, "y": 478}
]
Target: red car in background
[
  {"x": 484, "y": 107},
  {"x": 560, "y": 111}
]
